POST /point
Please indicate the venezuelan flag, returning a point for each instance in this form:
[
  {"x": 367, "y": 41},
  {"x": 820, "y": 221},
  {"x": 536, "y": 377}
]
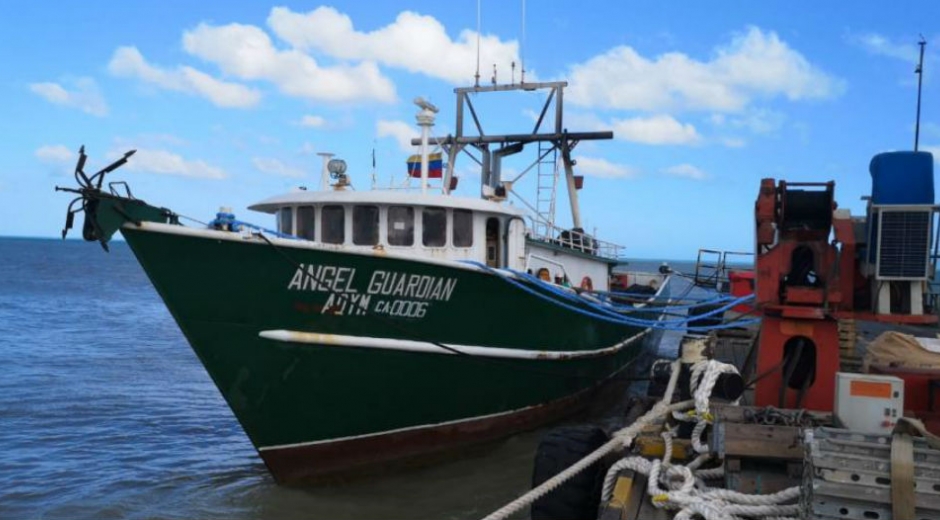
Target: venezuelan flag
[{"x": 435, "y": 166}]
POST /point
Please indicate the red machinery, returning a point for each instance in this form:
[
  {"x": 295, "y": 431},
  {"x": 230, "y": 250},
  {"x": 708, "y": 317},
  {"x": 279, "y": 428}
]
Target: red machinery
[{"x": 804, "y": 283}]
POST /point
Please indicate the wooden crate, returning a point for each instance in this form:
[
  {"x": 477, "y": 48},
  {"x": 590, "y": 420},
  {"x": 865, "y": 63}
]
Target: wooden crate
[{"x": 848, "y": 338}]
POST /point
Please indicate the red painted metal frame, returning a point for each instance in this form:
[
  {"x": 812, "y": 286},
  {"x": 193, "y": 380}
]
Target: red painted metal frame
[{"x": 810, "y": 312}]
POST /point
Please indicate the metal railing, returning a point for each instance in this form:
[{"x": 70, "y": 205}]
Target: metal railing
[
  {"x": 712, "y": 267},
  {"x": 575, "y": 239}
]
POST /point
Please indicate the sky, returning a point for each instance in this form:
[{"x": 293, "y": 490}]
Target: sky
[{"x": 228, "y": 103}]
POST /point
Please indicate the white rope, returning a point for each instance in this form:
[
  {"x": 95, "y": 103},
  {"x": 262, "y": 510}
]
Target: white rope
[
  {"x": 621, "y": 438},
  {"x": 674, "y": 486},
  {"x": 697, "y": 434}
]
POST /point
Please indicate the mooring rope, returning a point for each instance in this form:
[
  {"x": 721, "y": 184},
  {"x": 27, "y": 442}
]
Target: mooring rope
[{"x": 684, "y": 490}]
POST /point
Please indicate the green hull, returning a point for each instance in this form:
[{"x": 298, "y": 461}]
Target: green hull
[{"x": 224, "y": 290}]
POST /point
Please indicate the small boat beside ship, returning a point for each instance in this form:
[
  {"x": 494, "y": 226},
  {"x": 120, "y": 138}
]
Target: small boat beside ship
[{"x": 383, "y": 325}]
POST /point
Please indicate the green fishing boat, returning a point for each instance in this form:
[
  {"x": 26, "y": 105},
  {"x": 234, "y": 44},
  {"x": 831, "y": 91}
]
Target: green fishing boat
[{"x": 378, "y": 326}]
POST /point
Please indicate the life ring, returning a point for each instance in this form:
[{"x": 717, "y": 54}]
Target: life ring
[{"x": 587, "y": 284}]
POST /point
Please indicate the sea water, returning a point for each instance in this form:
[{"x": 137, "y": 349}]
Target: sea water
[{"x": 105, "y": 412}]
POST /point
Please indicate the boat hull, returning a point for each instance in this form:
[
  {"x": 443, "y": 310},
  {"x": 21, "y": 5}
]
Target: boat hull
[{"x": 494, "y": 358}]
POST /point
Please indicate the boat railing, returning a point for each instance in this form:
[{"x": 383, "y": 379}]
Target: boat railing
[
  {"x": 712, "y": 267},
  {"x": 575, "y": 239}
]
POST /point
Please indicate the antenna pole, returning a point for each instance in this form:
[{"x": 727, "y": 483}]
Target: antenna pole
[
  {"x": 476, "y": 77},
  {"x": 522, "y": 46},
  {"x": 324, "y": 171},
  {"x": 920, "y": 80},
  {"x": 373, "y": 164}
]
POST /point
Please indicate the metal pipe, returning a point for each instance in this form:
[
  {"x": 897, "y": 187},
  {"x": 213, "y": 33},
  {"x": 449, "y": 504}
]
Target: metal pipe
[
  {"x": 425, "y": 119},
  {"x": 520, "y": 138},
  {"x": 569, "y": 178},
  {"x": 920, "y": 81},
  {"x": 325, "y": 172}
]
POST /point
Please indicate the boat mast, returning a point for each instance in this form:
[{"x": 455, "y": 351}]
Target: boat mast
[
  {"x": 324, "y": 171},
  {"x": 425, "y": 119},
  {"x": 558, "y": 138}
]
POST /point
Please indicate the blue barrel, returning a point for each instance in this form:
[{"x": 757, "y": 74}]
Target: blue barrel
[{"x": 902, "y": 178}]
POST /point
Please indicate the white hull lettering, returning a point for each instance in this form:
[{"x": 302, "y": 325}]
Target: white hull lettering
[
  {"x": 410, "y": 294},
  {"x": 347, "y": 305},
  {"x": 323, "y": 278},
  {"x": 416, "y": 286},
  {"x": 402, "y": 308}
]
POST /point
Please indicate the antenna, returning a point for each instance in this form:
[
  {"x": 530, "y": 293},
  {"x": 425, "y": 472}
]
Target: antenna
[
  {"x": 522, "y": 46},
  {"x": 920, "y": 80},
  {"x": 373, "y": 164},
  {"x": 476, "y": 77}
]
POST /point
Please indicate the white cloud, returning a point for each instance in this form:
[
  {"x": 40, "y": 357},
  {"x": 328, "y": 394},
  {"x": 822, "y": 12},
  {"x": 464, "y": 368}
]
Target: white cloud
[
  {"x": 661, "y": 129},
  {"x": 85, "y": 96},
  {"x": 129, "y": 62},
  {"x": 757, "y": 120},
  {"x": 755, "y": 64},
  {"x": 413, "y": 42},
  {"x": 733, "y": 142},
  {"x": 55, "y": 153},
  {"x": 596, "y": 167},
  {"x": 400, "y": 130},
  {"x": 686, "y": 170},
  {"x": 312, "y": 121},
  {"x": 168, "y": 163},
  {"x": 882, "y": 46},
  {"x": 246, "y": 52},
  {"x": 276, "y": 167}
]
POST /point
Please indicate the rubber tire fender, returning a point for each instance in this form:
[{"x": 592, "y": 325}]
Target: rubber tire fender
[{"x": 579, "y": 497}]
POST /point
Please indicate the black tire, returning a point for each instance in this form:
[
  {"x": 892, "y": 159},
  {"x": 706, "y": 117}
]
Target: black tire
[
  {"x": 579, "y": 497},
  {"x": 715, "y": 319}
]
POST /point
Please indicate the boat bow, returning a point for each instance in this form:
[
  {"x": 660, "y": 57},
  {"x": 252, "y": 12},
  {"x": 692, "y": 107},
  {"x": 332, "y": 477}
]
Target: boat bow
[{"x": 106, "y": 211}]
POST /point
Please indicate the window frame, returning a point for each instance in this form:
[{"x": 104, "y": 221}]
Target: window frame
[
  {"x": 388, "y": 224},
  {"x": 424, "y": 227},
  {"x": 323, "y": 228},
  {"x": 280, "y": 220},
  {"x": 313, "y": 223},
  {"x": 453, "y": 227},
  {"x": 375, "y": 229}
]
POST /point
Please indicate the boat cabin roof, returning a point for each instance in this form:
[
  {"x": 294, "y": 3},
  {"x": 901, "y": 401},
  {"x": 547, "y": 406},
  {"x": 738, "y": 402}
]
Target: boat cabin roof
[{"x": 382, "y": 197}]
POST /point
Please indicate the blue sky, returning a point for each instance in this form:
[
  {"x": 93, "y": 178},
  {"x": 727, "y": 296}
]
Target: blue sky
[{"x": 228, "y": 103}]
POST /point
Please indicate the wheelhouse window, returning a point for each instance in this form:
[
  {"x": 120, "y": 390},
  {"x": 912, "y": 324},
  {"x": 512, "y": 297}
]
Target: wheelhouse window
[
  {"x": 463, "y": 228},
  {"x": 285, "y": 221},
  {"x": 401, "y": 226},
  {"x": 434, "y": 222},
  {"x": 305, "y": 222},
  {"x": 332, "y": 225},
  {"x": 365, "y": 225}
]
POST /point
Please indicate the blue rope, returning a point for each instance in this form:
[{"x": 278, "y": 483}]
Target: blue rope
[
  {"x": 596, "y": 311},
  {"x": 730, "y": 302},
  {"x": 626, "y": 307}
]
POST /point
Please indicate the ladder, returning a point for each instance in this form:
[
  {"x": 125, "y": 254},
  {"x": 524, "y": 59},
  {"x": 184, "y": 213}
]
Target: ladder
[{"x": 547, "y": 182}]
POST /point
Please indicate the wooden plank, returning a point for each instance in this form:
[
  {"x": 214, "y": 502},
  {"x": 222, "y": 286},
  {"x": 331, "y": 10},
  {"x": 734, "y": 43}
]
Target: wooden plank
[
  {"x": 623, "y": 503},
  {"x": 758, "y": 440},
  {"x": 737, "y": 414}
]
